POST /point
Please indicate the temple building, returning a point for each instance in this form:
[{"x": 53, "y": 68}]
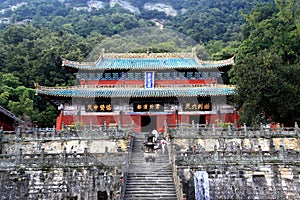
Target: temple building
[
  {"x": 9, "y": 121},
  {"x": 144, "y": 89}
]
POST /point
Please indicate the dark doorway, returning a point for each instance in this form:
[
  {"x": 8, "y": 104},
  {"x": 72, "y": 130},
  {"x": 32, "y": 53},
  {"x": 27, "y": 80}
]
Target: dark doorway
[
  {"x": 102, "y": 195},
  {"x": 198, "y": 119},
  {"x": 148, "y": 123}
]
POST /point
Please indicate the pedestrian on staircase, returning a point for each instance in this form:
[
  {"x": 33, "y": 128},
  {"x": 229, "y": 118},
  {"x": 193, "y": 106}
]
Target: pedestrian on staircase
[
  {"x": 155, "y": 133},
  {"x": 163, "y": 143}
]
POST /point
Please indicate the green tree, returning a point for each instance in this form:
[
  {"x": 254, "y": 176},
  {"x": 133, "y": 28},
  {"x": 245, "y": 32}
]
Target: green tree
[
  {"x": 46, "y": 117},
  {"x": 267, "y": 72},
  {"x": 24, "y": 105},
  {"x": 8, "y": 83}
]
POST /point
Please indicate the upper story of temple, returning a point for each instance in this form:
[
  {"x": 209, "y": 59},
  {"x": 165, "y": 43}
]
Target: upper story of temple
[
  {"x": 132, "y": 69},
  {"x": 144, "y": 75}
]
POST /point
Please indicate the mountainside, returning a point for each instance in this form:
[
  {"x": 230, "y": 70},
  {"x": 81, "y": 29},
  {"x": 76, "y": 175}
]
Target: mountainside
[{"x": 201, "y": 19}]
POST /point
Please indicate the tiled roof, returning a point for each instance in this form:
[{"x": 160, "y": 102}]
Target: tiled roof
[
  {"x": 137, "y": 92},
  {"x": 147, "y": 62},
  {"x": 10, "y": 115}
]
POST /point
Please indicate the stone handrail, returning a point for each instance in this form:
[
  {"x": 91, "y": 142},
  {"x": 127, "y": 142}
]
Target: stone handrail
[
  {"x": 87, "y": 132},
  {"x": 214, "y": 131},
  {"x": 62, "y": 159},
  {"x": 126, "y": 169},
  {"x": 176, "y": 178},
  {"x": 243, "y": 158}
]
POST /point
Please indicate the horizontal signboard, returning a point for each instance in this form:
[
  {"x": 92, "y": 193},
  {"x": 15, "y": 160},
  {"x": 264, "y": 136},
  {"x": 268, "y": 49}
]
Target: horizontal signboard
[
  {"x": 148, "y": 107},
  {"x": 197, "y": 106},
  {"x": 98, "y": 107}
]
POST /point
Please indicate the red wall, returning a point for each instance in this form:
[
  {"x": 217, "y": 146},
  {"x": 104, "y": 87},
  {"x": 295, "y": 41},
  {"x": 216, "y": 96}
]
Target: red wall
[
  {"x": 7, "y": 123},
  {"x": 136, "y": 120},
  {"x": 141, "y": 82}
]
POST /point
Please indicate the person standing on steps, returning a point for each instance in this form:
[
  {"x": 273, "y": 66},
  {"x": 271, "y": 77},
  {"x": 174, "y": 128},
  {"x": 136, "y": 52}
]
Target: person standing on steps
[
  {"x": 163, "y": 143},
  {"x": 155, "y": 133}
]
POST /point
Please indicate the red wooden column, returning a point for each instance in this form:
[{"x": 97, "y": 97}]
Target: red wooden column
[
  {"x": 137, "y": 123},
  {"x": 160, "y": 120},
  {"x": 59, "y": 121}
]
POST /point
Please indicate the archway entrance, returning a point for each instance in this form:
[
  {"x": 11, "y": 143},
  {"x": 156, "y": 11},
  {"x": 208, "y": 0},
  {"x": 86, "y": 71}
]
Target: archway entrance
[
  {"x": 148, "y": 123},
  {"x": 198, "y": 119}
]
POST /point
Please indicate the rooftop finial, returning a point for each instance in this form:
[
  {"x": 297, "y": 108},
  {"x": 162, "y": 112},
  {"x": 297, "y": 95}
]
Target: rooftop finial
[{"x": 102, "y": 51}]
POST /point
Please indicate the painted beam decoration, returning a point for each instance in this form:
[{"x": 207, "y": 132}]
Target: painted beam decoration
[
  {"x": 197, "y": 106},
  {"x": 148, "y": 107},
  {"x": 98, "y": 107},
  {"x": 149, "y": 80}
]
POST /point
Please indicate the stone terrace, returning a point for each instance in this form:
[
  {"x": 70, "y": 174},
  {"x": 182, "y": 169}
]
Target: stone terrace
[
  {"x": 242, "y": 163},
  {"x": 98, "y": 163}
]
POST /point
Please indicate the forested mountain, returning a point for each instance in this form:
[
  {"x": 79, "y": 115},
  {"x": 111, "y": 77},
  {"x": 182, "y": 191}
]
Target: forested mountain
[
  {"x": 34, "y": 34},
  {"x": 203, "y": 20}
]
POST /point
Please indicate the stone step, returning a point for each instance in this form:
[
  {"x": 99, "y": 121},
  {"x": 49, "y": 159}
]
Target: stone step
[
  {"x": 167, "y": 184},
  {"x": 154, "y": 192},
  {"x": 137, "y": 187},
  {"x": 150, "y": 173},
  {"x": 166, "y": 177},
  {"x": 156, "y": 171},
  {"x": 142, "y": 164},
  {"x": 149, "y": 180},
  {"x": 152, "y": 169},
  {"x": 143, "y": 184},
  {"x": 157, "y": 158},
  {"x": 152, "y": 165},
  {"x": 131, "y": 187},
  {"x": 142, "y": 161},
  {"x": 150, "y": 196},
  {"x": 158, "y": 174}
]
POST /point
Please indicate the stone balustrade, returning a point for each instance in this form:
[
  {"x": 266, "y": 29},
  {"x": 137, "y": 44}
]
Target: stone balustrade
[
  {"x": 224, "y": 157},
  {"x": 244, "y": 162},
  {"x": 86, "y": 132},
  {"x": 241, "y": 162},
  {"x": 215, "y": 131},
  {"x": 81, "y": 164},
  {"x": 63, "y": 159}
]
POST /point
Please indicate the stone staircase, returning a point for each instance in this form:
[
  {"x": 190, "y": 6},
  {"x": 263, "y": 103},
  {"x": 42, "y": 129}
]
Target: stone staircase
[{"x": 149, "y": 180}]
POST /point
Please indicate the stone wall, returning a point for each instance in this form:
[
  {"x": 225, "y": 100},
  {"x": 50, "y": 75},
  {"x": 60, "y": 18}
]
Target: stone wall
[
  {"x": 62, "y": 166},
  {"x": 241, "y": 164},
  {"x": 55, "y": 182},
  {"x": 70, "y": 145}
]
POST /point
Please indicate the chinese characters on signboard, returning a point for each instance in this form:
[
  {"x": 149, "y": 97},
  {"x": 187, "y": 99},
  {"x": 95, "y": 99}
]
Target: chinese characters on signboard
[
  {"x": 98, "y": 107},
  {"x": 197, "y": 106},
  {"x": 148, "y": 107},
  {"x": 149, "y": 80}
]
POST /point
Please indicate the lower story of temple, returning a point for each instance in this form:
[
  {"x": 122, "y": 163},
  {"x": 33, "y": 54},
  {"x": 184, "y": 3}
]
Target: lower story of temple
[{"x": 146, "y": 115}]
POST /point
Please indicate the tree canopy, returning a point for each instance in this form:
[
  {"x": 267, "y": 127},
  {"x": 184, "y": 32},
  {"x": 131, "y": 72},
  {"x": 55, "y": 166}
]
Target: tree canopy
[{"x": 267, "y": 72}]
